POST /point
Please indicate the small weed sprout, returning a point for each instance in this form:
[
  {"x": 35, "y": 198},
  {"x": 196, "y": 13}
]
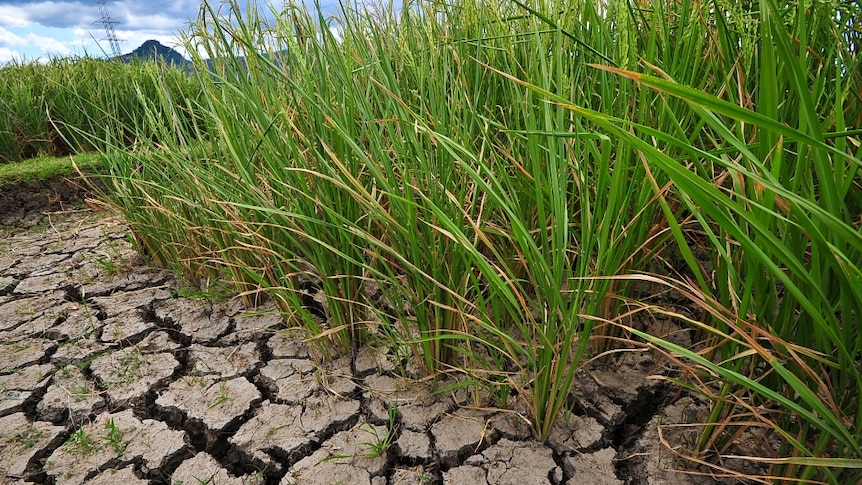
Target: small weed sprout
[
  {"x": 20, "y": 347},
  {"x": 115, "y": 435},
  {"x": 91, "y": 321},
  {"x": 381, "y": 444},
  {"x": 80, "y": 443},
  {"x": 80, "y": 391},
  {"x": 273, "y": 429},
  {"x": 223, "y": 395},
  {"x": 109, "y": 266},
  {"x": 28, "y": 438},
  {"x": 26, "y": 309},
  {"x": 195, "y": 378},
  {"x": 127, "y": 367}
]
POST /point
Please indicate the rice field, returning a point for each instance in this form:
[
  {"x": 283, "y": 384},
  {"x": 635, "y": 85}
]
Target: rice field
[
  {"x": 71, "y": 105},
  {"x": 502, "y": 190}
]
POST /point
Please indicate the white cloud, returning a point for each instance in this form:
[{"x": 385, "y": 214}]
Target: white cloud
[
  {"x": 12, "y": 16},
  {"x": 49, "y": 46},
  {"x": 9, "y": 38},
  {"x": 7, "y": 55}
]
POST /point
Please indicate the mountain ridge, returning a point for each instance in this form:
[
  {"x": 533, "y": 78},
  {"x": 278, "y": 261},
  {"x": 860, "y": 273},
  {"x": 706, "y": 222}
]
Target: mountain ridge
[{"x": 152, "y": 50}]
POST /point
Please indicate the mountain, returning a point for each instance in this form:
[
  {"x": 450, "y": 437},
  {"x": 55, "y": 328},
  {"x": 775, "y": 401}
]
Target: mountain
[{"x": 153, "y": 50}]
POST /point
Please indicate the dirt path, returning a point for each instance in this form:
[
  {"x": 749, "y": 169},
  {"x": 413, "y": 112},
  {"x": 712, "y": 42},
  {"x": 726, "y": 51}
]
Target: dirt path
[{"x": 106, "y": 376}]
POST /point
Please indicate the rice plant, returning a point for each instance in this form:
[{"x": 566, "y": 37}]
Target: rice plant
[
  {"x": 70, "y": 105},
  {"x": 484, "y": 183}
]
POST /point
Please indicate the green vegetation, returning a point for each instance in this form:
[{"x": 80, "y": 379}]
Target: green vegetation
[
  {"x": 115, "y": 436},
  {"x": 80, "y": 391},
  {"x": 128, "y": 367},
  {"x": 75, "y": 105},
  {"x": 41, "y": 168},
  {"x": 81, "y": 443},
  {"x": 379, "y": 445},
  {"x": 28, "y": 438},
  {"x": 499, "y": 186},
  {"x": 223, "y": 395}
]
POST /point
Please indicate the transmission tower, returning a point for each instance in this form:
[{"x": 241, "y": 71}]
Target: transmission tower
[{"x": 109, "y": 24}]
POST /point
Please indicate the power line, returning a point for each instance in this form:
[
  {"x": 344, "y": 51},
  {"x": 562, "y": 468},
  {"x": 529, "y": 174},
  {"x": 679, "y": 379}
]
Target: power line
[{"x": 109, "y": 23}]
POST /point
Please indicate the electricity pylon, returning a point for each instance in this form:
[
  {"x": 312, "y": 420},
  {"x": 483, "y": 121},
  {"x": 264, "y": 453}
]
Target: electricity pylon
[{"x": 109, "y": 24}]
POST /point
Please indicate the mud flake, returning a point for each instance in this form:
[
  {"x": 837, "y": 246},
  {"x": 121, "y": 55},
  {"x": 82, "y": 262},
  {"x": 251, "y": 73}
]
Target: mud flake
[
  {"x": 43, "y": 283},
  {"x": 224, "y": 362},
  {"x": 514, "y": 426},
  {"x": 369, "y": 360},
  {"x": 129, "y": 374},
  {"x": 254, "y": 322},
  {"x": 419, "y": 416},
  {"x": 77, "y": 241},
  {"x": 79, "y": 322},
  {"x": 113, "y": 439},
  {"x": 383, "y": 392},
  {"x": 457, "y": 435},
  {"x": 156, "y": 342},
  {"x": 23, "y": 353},
  {"x": 140, "y": 277},
  {"x": 72, "y": 392},
  {"x": 214, "y": 402},
  {"x": 596, "y": 467},
  {"x": 15, "y": 312},
  {"x": 22, "y": 440},
  {"x": 7, "y": 284},
  {"x": 124, "y": 301},
  {"x": 290, "y": 379},
  {"x": 126, "y": 476},
  {"x": 285, "y": 345},
  {"x": 200, "y": 321},
  {"x": 327, "y": 411},
  {"x": 41, "y": 264},
  {"x": 463, "y": 475},
  {"x": 11, "y": 400},
  {"x": 356, "y": 453},
  {"x": 276, "y": 428},
  {"x": 125, "y": 326},
  {"x": 203, "y": 468},
  {"x": 79, "y": 351},
  {"x": 286, "y": 431},
  {"x": 8, "y": 260},
  {"x": 413, "y": 476},
  {"x": 45, "y": 323},
  {"x": 27, "y": 378},
  {"x": 337, "y": 377},
  {"x": 519, "y": 463},
  {"x": 413, "y": 446},
  {"x": 575, "y": 433}
]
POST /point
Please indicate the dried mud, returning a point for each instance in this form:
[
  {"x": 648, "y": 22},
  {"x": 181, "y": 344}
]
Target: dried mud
[{"x": 107, "y": 376}]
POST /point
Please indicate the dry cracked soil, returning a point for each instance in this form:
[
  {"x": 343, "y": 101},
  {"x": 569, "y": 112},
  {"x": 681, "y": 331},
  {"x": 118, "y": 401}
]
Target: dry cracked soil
[{"x": 108, "y": 376}]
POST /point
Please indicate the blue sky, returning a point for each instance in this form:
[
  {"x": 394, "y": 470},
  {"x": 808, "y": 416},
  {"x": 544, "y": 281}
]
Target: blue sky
[{"x": 40, "y": 29}]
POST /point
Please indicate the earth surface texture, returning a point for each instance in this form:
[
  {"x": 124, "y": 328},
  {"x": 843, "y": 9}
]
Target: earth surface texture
[{"x": 108, "y": 376}]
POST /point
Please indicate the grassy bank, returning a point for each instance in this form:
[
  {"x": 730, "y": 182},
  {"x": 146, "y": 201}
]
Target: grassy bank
[
  {"x": 76, "y": 105},
  {"x": 487, "y": 187},
  {"x": 43, "y": 168}
]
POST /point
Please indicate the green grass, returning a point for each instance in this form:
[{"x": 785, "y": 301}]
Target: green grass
[
  {"x": 81, "y": 443},
  {"x": 43, "y": 168},
  {"x": 493, "y": 185},
  {"x": 75, "y": 105}
]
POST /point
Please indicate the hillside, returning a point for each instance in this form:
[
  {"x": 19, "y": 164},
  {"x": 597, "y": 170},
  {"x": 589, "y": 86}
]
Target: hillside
[{"x": 152, "y": 50}]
